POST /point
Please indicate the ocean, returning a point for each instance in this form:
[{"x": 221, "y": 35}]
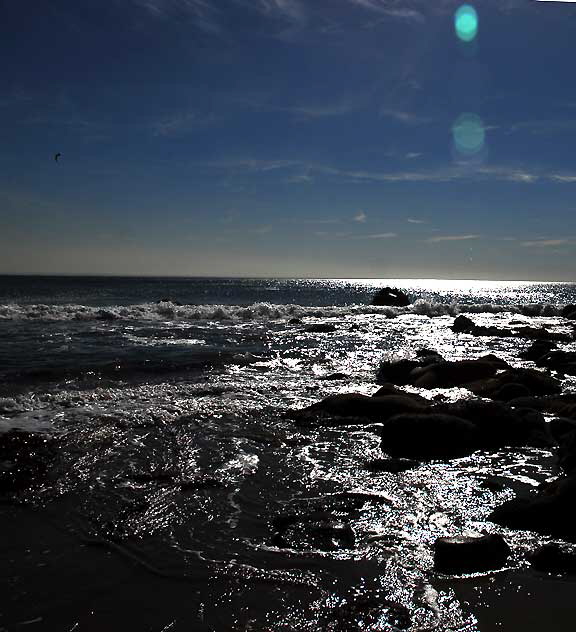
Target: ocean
[{"x": 170, "y": 455}]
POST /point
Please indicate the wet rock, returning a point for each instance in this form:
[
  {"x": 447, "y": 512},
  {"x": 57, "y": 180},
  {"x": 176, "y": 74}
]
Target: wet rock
[
  {"x": 511, "y": 391},
  {"x": 394, "y": 466},
  {"x": 569, "y": 311},
  {"x": 554, "y": 558},
  {"x": 561, "y": 427},
  {"x": 25, "y": 458},
  {"x": 449, "y": 374},
  {"x": 334, "y": 377},
  {"x": 355, "y": 405},
  {"x": 561, "y": 361},
  {"x": 560, "y": 405},
  {"x": 463, "y": 325},
  {"x": 317, "y": 530},
  {"x": 536, "y": 382},
  {"x": 499, "y": 425},
  {"x": 320, "y": 328},
  {"x": 548, "y": 511},
  {"x": 461, "y": 554},
  {"x": 295, "y": 321},
  {"x": 492, "y": 484},
  {"x": 397, "y": 372},
  {"x": 429, "y": 436},
  {"x": 538, "y": 349},
  {"x": 391, "y": 297},
  {"x": 390, "y": 389}
]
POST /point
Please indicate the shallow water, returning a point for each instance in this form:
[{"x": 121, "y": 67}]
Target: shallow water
[{"x": 175, "y": 453}]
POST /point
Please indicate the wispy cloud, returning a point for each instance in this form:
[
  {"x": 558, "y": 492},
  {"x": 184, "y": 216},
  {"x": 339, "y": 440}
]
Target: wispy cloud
[
  {"x": 384, "y": 7},
  {"x": 403, "y": 116},
  {"x": 413, "y": 220},
  {"x": 181, "y": 123},
  {"x": 360, "y": 217},
  {"x": 439, "y": 238},
  {"x": 413, "y": 155},
  {"x": 545, "y": 243},
  {"x": 457, "y": 172},
  {"x": 202, "y": 13},
  {"x": 353, "y": 236}
]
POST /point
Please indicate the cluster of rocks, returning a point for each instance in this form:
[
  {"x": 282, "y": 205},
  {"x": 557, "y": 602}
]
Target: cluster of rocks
[{"x": 510, "y": 414}]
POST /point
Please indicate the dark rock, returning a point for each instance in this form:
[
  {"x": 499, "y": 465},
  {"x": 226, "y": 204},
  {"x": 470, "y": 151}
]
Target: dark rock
[
  {"x": 569, "y": 311},
  {"x": 561, "y": 427},
  {"x": 334, "y": 376},
  {"x": 561, "y": 361},
  {"x": 511, "y": 391},
  {"x": 460, "y": 554},
  {"x": 355, "y": 405},
  {"x": 320, "y": 328},
  {"x": 449, "y": 374},
  {"x": 393, "y": 466},
  {"x": 463, "y": 325},
  {"x": 499, "y": 425},
  {"x": 553, "y": 558},
  {"x": 391, "y": 297},
  {"x": 318, "y": 530},
  {"x": 537, "y": 382},
  {"x": 548, "y": 512},
  {"x": 390, "y": 389},
  {"x": 492, "y": 485},
  {"x": 397, "y": 372},
  {"x": 295, "y": 321},
  {"x": 538, "y": 349},
  {"x": 429, "y": 436}
]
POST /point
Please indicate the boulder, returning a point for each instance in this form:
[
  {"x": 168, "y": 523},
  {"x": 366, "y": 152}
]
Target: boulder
[
  {"x": 432, "y": 436},
  {"x": 554, "y": 558},
  {"x": 511, "y": 391},
  {"x": 536, "y": 382},
  {"x": 561, "y": 361},
  {"x": 394, "y": 466},
  {"x": 538, "y": 349},
  {"x": 397, "y": 372},
  {"x": 569, "y": 311},
  {"x": 449, "y": 374},
  {"x": 464, "y": 554},
  {"x": 391, "y": 297},
  {"x": 320, "y": 328},
  {"x": 357, "y": 406},
  {"x": 549, "y": 511}
]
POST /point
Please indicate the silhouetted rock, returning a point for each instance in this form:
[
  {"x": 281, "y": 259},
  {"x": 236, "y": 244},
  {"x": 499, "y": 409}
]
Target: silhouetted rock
[
  {"x": 511, "y": 391},
  {"x": 569, "y": 312},
  {"x": 355, "y": 405},
  {"x": 561, "y": 361},
  {"x": 536, "y": 382},
  {"x": 538, "y": 349},
  {"x": 548, "y": 512},
  {"x": 295, "y": 321},
  {"x": 553, "y": 558},
  {"x": 397, "y": 372},
  {"x": 391, "y": 297},
  {"x": 449, "y": 374},
  {"x": 393, "y": 466},
  {"x": 320, "y": 328},
  {"x": 461, "y": 554},
  {"x": 429, "y": 436},
  {"x": 463, "y": 324},
  {"x": 333, "y": 377}
]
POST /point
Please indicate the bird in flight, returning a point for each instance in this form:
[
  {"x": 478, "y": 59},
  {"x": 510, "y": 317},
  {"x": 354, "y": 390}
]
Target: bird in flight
[{"x": 56, "y": 156}]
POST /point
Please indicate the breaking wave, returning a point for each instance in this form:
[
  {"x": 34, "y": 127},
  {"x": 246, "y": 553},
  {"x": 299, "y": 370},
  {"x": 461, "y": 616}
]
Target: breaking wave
[{"x": 257, "y": 311}]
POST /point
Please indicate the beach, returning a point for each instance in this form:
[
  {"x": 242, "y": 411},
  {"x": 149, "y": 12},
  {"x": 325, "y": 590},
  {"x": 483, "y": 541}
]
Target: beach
[{"x": 168, "y": 462}]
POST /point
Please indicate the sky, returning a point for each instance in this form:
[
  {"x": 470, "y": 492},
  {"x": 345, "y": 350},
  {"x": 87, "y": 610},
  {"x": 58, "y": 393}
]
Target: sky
[{"x": 294, "y": 138}]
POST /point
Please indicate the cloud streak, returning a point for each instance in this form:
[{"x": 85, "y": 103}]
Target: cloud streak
[{"x": 441, "y": 238}]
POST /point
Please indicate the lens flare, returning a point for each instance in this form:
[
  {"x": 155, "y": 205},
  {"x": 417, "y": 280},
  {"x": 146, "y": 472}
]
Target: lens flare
[
  {"x": 469, "y": 134},
  {"x": 466, "y": 23}
]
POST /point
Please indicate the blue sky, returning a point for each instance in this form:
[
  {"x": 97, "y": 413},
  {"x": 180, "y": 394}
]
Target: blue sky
[{"x": 288, "y": 138}]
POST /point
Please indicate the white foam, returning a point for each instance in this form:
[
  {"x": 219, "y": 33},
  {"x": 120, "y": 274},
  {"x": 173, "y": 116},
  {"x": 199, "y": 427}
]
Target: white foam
[{"x": 167, "y": 311}]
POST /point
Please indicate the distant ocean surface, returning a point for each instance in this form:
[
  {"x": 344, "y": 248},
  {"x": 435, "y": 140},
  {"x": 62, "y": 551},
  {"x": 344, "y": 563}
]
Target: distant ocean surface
[{"x": 168, "y": 402}]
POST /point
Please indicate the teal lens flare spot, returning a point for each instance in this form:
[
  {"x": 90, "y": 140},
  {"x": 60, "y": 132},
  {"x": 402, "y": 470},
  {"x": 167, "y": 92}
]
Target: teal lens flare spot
[
  {"x": 466, "y": 23},
  {"x": 469, "y": 134}
]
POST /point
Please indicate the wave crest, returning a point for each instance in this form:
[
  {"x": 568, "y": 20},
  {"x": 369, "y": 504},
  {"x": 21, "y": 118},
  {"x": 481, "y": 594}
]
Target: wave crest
[{"x": 256, "y": 311}]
